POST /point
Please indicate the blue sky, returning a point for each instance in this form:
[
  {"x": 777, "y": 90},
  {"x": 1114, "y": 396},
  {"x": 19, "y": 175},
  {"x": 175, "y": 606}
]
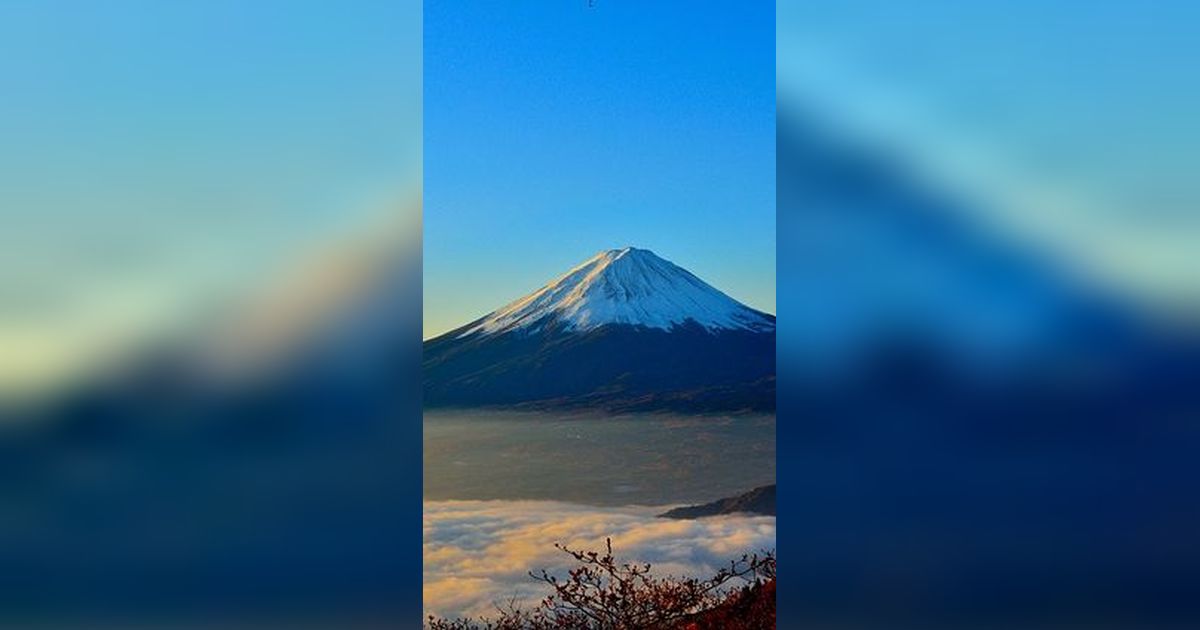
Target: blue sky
[
  {"x": 554, "y": 130},
  {"x": 158, "y": 155}
]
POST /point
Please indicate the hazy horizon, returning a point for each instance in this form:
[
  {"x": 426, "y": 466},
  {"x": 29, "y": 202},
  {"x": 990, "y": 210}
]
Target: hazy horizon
[{"x": 169, "y": 158}]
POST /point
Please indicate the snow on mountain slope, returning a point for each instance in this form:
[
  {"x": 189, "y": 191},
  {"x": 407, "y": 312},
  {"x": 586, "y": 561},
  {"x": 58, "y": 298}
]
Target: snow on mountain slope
[{"x": 623, "y": 286}]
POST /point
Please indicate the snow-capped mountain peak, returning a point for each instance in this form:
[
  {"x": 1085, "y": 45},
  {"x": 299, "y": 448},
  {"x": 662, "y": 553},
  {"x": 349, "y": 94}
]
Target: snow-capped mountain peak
[{"x": 624, "y": 286}]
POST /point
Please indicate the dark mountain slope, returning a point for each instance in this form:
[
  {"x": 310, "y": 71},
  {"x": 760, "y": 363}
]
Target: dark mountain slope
[
  {"x": 624, "y": 331},
  {"x": 760, "y": 500}
]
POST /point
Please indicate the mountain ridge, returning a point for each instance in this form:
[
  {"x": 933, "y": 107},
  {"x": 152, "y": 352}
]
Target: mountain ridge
[
  {"x": 624, "y": 331},
  {"x": 760, "y": 500},
  {"x": 627, "y": 285}
]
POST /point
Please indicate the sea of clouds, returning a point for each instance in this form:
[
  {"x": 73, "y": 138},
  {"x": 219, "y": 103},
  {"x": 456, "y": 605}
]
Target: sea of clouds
[{"x": 478, "y": 554}]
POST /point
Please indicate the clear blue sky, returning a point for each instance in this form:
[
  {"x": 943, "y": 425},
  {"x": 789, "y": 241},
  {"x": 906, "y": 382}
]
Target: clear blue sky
[
  {"x": 159, "y": 154},
  {"x": 554, "y": 130}
]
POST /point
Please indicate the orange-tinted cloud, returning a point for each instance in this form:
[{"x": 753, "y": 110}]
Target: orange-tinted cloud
[{"x": 478, "y": 553}]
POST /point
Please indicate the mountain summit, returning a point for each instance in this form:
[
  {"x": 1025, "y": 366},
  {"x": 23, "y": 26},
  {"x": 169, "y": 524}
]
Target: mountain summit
[
  {"x": 623, "y": 286},
  {"x": 625, "y": 330}
]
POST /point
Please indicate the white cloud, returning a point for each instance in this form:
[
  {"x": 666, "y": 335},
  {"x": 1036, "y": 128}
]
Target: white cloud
[{"x": 478, "y": 553}]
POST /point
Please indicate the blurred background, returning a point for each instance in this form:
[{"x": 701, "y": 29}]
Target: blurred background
[
  {"x": 989, "y": 368},
  {"x": 210, "y": 313}
]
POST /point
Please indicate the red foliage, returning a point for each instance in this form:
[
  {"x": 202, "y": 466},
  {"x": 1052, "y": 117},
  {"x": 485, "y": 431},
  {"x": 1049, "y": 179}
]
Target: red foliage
[{"x": 602, "y": 594}]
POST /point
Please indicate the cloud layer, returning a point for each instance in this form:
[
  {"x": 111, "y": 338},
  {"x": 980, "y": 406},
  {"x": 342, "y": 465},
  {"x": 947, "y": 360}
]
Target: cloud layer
[{"x": 478, "y": 553}]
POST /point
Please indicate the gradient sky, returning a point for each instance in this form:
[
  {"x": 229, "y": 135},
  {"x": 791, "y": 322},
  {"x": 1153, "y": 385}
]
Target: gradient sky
[
  {"x": 1074, "y": 122},
  {"x": 160, "y": 155},
  {"x": 554, "y": 130}
]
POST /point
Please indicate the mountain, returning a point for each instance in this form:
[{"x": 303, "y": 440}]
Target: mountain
[
  {"x": 886, "y": 268},
  {"x": 760, "y": 500},
  {"x": 624, "y": 330},
  {"x": 970, "y": 410},
  {"x": 626, "y": 286}
]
